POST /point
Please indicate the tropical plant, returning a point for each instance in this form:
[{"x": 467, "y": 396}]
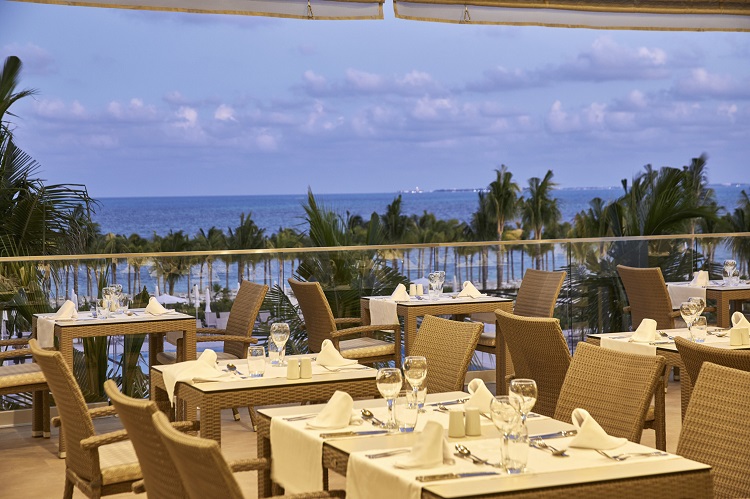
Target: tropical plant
[
  {"x": 503, "y": 196},
  {"x": 540, "y": 210}
]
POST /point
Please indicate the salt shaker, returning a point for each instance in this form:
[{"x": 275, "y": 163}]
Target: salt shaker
[
  {"x": 472, "y": 425},
  {"x": 305, "y": 368},
  {"x": 456, "y": 427},
  {"x": 292, "y": 369}
]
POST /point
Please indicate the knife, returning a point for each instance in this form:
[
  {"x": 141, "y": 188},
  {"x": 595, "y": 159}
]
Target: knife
[
  {"x": 452, "y": 476},
  {"x": 450, "y": 402},
  {"x": 343, "y": 434},
  {"x": 557, "y": 434}
]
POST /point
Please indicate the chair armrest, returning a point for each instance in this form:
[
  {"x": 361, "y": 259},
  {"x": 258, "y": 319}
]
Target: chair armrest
[
  {"x": 626, "y": 309},
  {"x": 138, "y": 487},
  {"x": 97, "y": 412},
  {"x": 227, "y": 337},
  {"x": 249, "y": 464},
  {"x": 185, "y": 426},
  {"x": 343, "y": 321},
  {"x": 11, "y": 354},
  {"x": 14, "y": 341},
  {"x": 209, "y": 330},
  {"x": 97, "y": 441},
  {"x": 675, "y": 313},
  {"x": 396, "y": 328}
]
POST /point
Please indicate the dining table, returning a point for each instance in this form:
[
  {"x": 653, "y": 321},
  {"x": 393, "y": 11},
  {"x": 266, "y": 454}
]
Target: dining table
[
  {"x": 240, "y": 390},
  {"x": 665, "y": 347},
  {"x": 368, "y": 462},
  {"x": 726, "y": 297},
  {"x": 445, "y": 304},
  {"x": 136, "y": 321}
]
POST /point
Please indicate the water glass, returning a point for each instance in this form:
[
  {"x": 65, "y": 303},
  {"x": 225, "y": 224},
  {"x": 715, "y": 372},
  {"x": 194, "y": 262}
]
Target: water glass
[
  {"x": 421, "y": 398},
  {"x": 273, "y": 353},
  {"x": 434, "y": 285},
  {"x": 124, "y": 305},
  {"x": 280, "y": 335},
  {"x": 256, "y": 361},
  {"x": 525, "y": 392},
  {"x": 699, "y": 330},
  {"x": 102, "y": 308},
  {"x": 517, "y": 449},
  {"x": 406, "y": 409},
  {"x": 389, "y": 382},
  {"x": 728, "y": 271}
]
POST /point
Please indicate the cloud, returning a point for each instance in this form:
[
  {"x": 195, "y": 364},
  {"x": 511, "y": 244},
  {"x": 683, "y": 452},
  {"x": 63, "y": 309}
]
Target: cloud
[
  {"x": 607, "y": 60},
  {"x": 560, "y": 121},
  {"x": 501, "y": 78},
  {"x": 224, "y": 113},
  {"x": 35, "y": 60},
  {"x": 356, "y": 82},
  {"x": 703, "y": 84},
  {"x": 188, "y": 117},
  {"x": 427, "y": 108}
]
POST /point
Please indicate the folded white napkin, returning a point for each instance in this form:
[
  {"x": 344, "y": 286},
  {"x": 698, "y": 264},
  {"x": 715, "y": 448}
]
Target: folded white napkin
[
  {"x": 155, "y": 308},
  {"x": 739, "y": 320},
  {"x": 336, "y": 414},
  {"x": 628, "y": 346},
  {"x": 646, "y": 331},
  {"x": 400, "y": 293},
  {"x": 470, "y": 291},
  {"x": 700, "y": 278},
  {"x": 430, "y": 450},
  {"x": 330, "y": 357},
  {"x": 383, "y": 312},
  {"x": 481, "y": 396},
  {"x": 590, "y": 434},
  {"x": 204, "y": 369},
  {"x": 45, "y": 326}
]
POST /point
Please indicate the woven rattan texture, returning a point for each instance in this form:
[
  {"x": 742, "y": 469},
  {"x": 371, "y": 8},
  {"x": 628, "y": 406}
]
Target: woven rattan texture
[
  {"x": 647, "y": 296},
  {"x": 23, "y": 378},
  {"x": 538, "y": 293},
  {"x": 82, "y": 463},
  {"x": 540, "y": 352},
  {"x": 715, "y": 430},
  {"x": 614, "y": 387},
  {"x": 695, "y": 354},
  {"x": 156, "y": 464},
  {"x": 448, "y": 347},
  {"x": 321, "y": 325},
  {"x": 202, "y": 467}
]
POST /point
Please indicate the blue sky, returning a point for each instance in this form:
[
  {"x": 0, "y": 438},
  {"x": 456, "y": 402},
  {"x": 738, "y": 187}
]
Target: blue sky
[{"x": 147, "y": 103}]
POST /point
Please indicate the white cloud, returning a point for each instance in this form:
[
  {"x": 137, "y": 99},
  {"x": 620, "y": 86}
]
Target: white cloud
[
  {"x": 35, "y": 59},
  {"x": 415, "y": 79},
  {"x": 704, "y": 84},
  {"x": 315, "y": 81},
  {"x": 728, "y": 110},
  {"x": 266, "y": 142},
  {"x": 189, "y": 117},
  {"x": 559, "y": 121},
  {"x": 224, "y": 113},
  {"x": 364, "y": 81},
  {"x": 429, "y": 109}
]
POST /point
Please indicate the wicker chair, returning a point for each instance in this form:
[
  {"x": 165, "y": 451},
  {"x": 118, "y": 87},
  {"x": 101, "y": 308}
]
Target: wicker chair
[
  {"x": 157, "y": 466},
  {"x": 24, "y": 378},
  {"x": 321, "y": 325},
  {"x": 695, "y": 354},
  {"x": 239, "y": 332},
  {"x": 448, "y": 346},
  {"x": 536, "y": 297},
  {"x": 648, "y": 297},
  {"x": 540, "y": 352},
  {"x": 97, "y": 464},
  {"x": 202, "y": 468},
  {"x": 715, "y": 429},
  {"x": 616, "y": 388}
]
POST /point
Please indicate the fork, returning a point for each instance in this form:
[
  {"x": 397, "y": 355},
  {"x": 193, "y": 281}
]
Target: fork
[{"x": 628, "y": 455}]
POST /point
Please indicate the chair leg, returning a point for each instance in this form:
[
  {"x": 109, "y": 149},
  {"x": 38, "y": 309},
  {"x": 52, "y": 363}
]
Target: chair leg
[
  {"x": 45, "y": 414},
  {"x": 68, "y": 493},
  {"x": 236, "y": 413},
  {"x": 253, "y": 420},
  {"x": 37, "y": 414}
]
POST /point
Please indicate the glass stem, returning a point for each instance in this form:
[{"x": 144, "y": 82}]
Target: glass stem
[{"x": 391, "y": 414}]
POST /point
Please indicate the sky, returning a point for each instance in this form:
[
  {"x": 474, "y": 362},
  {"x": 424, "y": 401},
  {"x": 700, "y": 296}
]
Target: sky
[{"x": 134, "y": 103}]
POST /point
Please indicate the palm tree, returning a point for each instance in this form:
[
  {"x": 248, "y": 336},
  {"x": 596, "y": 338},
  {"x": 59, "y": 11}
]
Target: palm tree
[
  {"x": 739, "y": 221},
  {"x": 503, "y": 197},
  {"x": 214, "y": 239},
  {"x": 483, "y": 228},
  {"x": 9, "y": 80},
  {"x": 246, "y": 236},
  {"x": 540, "y": 209},
  {"x": 173, "y": 268}
]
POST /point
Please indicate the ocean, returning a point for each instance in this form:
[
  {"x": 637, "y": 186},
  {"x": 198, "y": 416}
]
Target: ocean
[{"x": 158, "y": 215}]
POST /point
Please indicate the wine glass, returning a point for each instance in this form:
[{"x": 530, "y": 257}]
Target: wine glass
[
  {"x": 389, "y": 381},
  {"x": 415, "y": 371},
  {"x": 279, "y": 336},
  {"x": 700, "y": 305},
  {"x": 441, "y": 280},
  {"x": 525, "y": 392},
  {"x": 506, "y": 414},
  {"x": 729, "y": 268},
  {"x": 689, "y": 311}
]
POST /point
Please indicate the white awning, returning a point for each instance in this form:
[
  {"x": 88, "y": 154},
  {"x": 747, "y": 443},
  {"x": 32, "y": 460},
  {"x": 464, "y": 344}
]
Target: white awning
[
  {"x": 298, "y": 9},
  {"x": 682, "y": 15}
]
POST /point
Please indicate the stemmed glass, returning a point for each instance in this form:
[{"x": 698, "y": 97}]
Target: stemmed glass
[
  {"x": 700, "y": 305},
  {"x": 506, "y": 414},
  {"x": 415, "y": 371},
  {"x": 689, "y": 311},
  {"x": 728, "y": 272},
  {"x": 440, "y": 281},
  {"x": 524, "y": 390},
  {"x": 389, "y": 381},
  {"x": 279, "y": 336}
]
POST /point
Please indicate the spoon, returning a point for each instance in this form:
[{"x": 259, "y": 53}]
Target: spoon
[
  {"x": 541, "y": 444},
  {"x": 465, "y": 452},
  {"x": 665, "y": 335},
  {"x": 366, "y": 414}
]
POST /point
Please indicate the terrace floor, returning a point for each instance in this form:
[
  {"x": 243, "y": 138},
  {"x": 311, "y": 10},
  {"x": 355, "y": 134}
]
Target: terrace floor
[{"x": 29, "y": 467}]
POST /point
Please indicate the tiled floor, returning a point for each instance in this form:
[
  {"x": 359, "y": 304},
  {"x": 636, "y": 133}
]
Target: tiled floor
[{"x": 29, "y": 467}]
